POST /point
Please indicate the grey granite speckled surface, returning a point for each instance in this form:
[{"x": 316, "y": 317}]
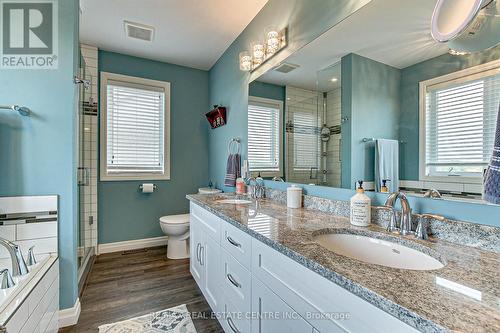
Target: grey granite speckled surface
[
  {"x": 470, "y": 234},
  {"x": 427, "y": 300}
]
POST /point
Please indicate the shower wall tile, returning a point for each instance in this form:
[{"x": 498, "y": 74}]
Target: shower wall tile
[{"x": 90, "y": 55}]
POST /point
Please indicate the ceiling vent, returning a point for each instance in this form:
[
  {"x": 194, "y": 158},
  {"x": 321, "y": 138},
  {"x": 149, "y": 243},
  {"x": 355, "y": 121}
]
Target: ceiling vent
[
  {"x": 139, "y": 31},
  {"x": 285, "y": 67}
]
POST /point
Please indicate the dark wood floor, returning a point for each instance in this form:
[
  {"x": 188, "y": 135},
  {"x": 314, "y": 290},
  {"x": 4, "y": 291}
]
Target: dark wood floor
[{"x": 123, "y": 286}]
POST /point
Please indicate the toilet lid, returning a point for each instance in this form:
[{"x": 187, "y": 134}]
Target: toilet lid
[
  {"x": 175, "y": 219},
  {"x": 208, "y": 190}
]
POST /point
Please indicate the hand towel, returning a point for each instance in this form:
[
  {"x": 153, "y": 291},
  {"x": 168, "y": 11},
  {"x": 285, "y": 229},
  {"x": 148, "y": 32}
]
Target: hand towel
[
  {"x": 233, "y": 170},
  {"x": 492, "y": 176},
  {"x": 387, "y": 164}
]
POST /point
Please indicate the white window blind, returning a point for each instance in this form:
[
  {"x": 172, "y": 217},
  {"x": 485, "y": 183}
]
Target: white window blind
[
  {"x": 306, "y": 142},
  {"x": 460, "y": 126},
  {"x": 135, "y": 122},
  {"x": 264, "y": 138}
]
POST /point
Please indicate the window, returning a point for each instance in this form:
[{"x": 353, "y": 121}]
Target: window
[
  {"x": 459, "y": 121},
  {"x": 264, "y": 136},
  {"x": 306, "y": 143},
  {"x": 135, "y": 115}
]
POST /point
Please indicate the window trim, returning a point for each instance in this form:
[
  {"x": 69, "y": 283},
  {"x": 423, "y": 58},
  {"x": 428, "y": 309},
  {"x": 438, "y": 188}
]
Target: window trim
[
  {"x": 471, "y": 73},
  {"x": 277, "y": 102},
  {"x": 104, "y": 175}
]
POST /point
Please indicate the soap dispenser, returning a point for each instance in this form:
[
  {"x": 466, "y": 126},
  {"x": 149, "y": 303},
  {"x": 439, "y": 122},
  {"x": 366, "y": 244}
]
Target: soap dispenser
[
  {"x": 360, "y": 207},
  {"x": 384, "y": 188}
]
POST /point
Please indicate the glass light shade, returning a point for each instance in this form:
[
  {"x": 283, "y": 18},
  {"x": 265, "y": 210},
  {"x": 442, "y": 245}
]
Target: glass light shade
[
  {"x": 258, "y": 51},
  {"x": 245, "y": 61},
  {"x": 272, "y": 41}
]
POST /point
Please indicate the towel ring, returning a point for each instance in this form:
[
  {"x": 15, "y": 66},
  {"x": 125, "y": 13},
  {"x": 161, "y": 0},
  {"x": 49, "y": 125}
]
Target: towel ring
[{"x": 234, "y": 143}]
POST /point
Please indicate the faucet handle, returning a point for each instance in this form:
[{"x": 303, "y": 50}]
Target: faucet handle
[
  {"x": 421, "y": 230},
  {"x": 31, "y": 256},
  {"x": 6, "y": 279},
  {"x": 392, "y": 226}
]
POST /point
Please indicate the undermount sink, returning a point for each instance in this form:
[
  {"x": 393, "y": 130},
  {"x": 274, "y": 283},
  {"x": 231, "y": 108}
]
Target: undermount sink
[
  {"x": 377, "y": 251},
  {"x": 234, "y": 201}
]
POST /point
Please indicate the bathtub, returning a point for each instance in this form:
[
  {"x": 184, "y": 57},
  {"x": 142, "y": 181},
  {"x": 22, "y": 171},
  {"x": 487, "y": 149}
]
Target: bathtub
[{"x": 34, "y": 300}]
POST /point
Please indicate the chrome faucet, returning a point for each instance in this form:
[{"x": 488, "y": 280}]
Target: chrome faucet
[
  {"x": 258, "y": 190},
  {"x": 6, "y": 281},
  {"x": 432, "y": 193},
  {"x": 18, "y": 264},
  {"x": 404, "y": 227}
]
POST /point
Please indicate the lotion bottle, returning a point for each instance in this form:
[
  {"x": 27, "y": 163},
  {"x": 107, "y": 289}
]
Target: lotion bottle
[{"x": 360, "y": 207}]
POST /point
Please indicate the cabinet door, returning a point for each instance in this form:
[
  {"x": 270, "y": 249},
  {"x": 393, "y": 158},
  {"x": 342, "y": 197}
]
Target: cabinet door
[
  {"x": 210, "y": 260},
  {"x": 195, "y": 244},
  {"x": 271, "y": 314}
]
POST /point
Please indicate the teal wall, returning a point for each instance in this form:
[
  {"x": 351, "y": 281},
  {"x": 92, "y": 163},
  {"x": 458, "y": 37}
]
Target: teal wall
[
  {"x": 39, "y": 152},
  {"x": 267, "y": 90},
  {"x": 374, "y": 110},
  {"x": 124, "y": 212},
  {"x": 409, "y": 117},
  {"x": 229, "y": 87}
]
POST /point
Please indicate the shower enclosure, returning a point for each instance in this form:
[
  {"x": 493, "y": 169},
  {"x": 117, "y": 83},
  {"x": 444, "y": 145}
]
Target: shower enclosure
[
  {"x": 86, "y": 192},
  {"x": 313, "y": 131}
]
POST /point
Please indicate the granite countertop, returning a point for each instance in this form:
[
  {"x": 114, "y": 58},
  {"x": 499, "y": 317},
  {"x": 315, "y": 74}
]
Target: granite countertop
[{"x": 463, "y": 296}]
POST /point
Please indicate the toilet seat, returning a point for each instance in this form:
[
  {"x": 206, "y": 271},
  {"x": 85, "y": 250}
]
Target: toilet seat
[
  {"x": 208, "y": 190},
  {"x": 181, "y": 219}
]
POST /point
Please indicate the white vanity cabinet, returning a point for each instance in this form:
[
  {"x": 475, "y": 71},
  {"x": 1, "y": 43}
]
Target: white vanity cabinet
[
  {"x": 254, "y": 288},
  {"x": 205, "y": 253}
]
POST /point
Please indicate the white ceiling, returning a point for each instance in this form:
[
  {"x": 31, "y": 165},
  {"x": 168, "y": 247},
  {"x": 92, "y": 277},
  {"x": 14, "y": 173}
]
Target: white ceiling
[
  {"x": 192, "y": 33},
  {"x": 394, "y": 32}
]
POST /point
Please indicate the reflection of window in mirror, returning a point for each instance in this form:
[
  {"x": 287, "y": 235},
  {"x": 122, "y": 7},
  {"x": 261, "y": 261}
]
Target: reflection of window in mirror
[
  {"x": 457, "y": 127},
  {"x": 265, "y": 132}
]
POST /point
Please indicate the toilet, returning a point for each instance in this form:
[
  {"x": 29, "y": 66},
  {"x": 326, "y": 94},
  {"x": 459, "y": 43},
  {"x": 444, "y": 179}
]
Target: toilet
[
  {"x": 176, "y": 227},
  {"x": 208, "y": 190}
]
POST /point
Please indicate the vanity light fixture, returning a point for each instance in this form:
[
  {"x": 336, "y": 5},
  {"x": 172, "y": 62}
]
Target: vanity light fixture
[
  {"x": 334, "y": 79},
  {"x": 260, "y": 52},
  {"x": 272, "y": 41},
  {"x": 245, "y": 61}
]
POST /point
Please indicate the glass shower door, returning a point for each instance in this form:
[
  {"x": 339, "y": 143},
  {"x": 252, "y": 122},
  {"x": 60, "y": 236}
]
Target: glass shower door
[{"x": 85, "y": 219}]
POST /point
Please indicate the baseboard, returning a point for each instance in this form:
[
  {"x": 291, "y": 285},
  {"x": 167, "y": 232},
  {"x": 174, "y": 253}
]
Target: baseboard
[
  {"x": 131, "y": 245},
  {"x": 69, "y": 317}
]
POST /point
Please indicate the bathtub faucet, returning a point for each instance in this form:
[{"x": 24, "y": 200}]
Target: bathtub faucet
[{"x": 18, "y": 264}]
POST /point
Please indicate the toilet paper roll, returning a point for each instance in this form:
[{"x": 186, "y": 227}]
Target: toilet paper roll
[{"x": 148, "y": 188}]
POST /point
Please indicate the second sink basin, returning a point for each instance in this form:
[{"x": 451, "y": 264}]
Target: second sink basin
[
  {"x": 377, "y": 251},
  {"x": 234, "y": 201}
]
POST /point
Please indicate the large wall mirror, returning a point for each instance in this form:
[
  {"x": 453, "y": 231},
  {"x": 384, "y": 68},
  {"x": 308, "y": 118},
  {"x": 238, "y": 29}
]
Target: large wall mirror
[{"x": 376, "y": 99}]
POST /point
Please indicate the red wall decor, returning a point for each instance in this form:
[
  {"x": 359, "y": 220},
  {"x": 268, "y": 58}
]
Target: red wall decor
[{"x": 217, "y": 117}]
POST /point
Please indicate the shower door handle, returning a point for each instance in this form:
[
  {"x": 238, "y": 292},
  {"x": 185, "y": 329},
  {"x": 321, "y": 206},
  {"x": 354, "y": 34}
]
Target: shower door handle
[{"x": 83, "y": 176}]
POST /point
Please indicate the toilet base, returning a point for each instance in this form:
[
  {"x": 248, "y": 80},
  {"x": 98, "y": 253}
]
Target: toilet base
[{"x": 177, "y": 247}]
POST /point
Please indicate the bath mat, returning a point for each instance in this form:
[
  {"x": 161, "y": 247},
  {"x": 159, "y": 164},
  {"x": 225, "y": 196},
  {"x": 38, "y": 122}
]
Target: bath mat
[{"x": 173, "y": 320}]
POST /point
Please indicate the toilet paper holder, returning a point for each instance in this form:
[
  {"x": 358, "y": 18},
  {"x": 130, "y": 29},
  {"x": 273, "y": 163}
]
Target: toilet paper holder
[{"x": 155, "y": 187}]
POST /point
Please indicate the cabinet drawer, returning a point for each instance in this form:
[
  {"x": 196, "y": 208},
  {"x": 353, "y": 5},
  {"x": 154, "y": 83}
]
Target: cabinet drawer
[
  {"x": 235, "y": 282},
  {"x": 208, "y": 221},
  {"x": 271, "y": 314},
  {"x": 311, "y": 295},
  {"x": 237, "y": 242},
  {"x": 232, "y": 320}
]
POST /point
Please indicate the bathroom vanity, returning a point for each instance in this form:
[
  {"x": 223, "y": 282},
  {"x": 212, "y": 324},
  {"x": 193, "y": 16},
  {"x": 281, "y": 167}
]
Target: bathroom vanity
[{"x": 261, "y": 269}]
